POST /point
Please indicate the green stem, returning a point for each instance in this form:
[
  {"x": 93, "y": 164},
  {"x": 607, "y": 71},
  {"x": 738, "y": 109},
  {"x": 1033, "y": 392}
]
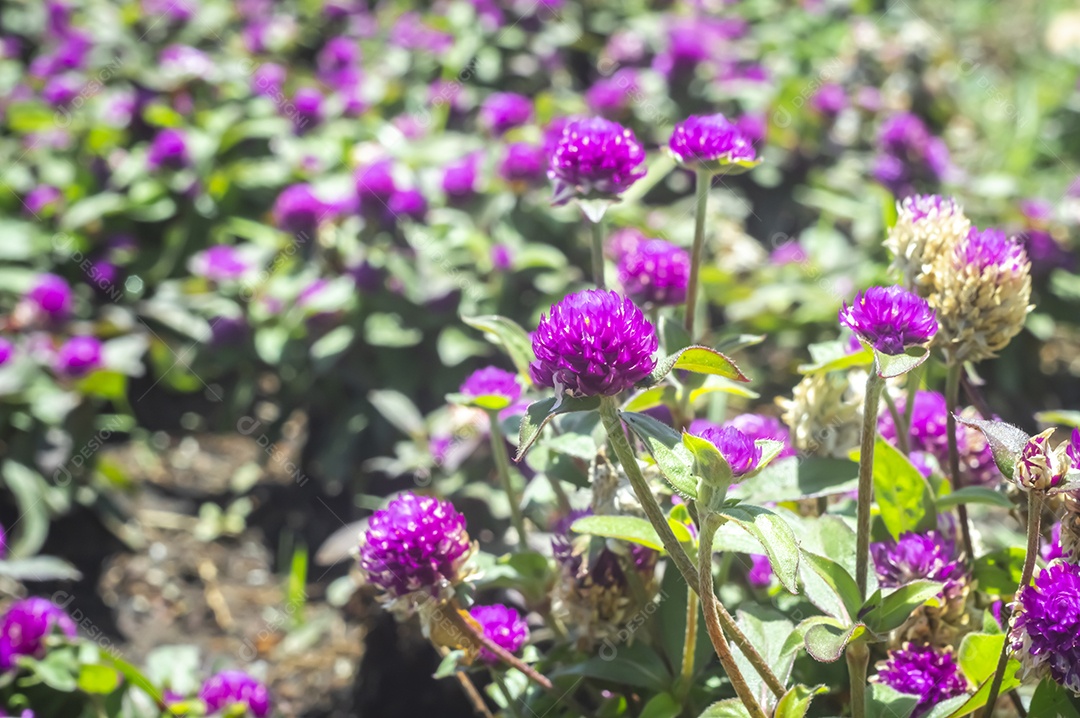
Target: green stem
[
  {"x": 704, "y": 182},
  {"x": 597, "y": 231},
  {"x": 1033, "y": 521},
  {"x": 898, "y": 422},
  {"x": 686, "y": 675},
  {"x": 858, "y": 659},
  {"x": 874, "y": 385},
  {"x": 708, "y": 606},
  {"x": 497, "y": 676},
  {"x": 952, "y": 396},
  {"x": 502, "y": 467},
  {"x": 913, "y": 379}
]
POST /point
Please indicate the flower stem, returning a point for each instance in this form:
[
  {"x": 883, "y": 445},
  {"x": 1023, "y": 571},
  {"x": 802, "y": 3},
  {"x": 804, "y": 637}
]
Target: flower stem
[
  {"x": 858, "y": 659},
  {"x": 468, "y": 633},
  {"x": 898, "y": 422},
  {"x": 710, "y": 523},
  {"x": 704, "y": 182},
  {"x": 874, "y": 385},
  {"x": 473, "y": 695},
  {"x": 686, "y": 675},
  {"x": 1035, "y": 501},
  {"x": 502, "y": 467},
  {"x": 597, "y": 231},
  {"x": 952, "y": 395}
]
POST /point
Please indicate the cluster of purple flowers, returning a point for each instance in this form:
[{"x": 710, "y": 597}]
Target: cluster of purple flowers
[
  {"x": 924, "y": 671},
  {"x": 909, "y": 155},
  {"x": 917, "y": 556}
]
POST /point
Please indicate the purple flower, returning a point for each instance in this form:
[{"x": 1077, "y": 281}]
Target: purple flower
[
  {"x": 375, "y": 185},
  {"x": 593, "y": 343},
  {"x": 219, "y": 263},
  {"x": 760, "y": 573},
  {"x": 1045, "y": 627},
  {"x": 760, "y": 426},
  {"x": 52, "y": 296},
  {"x": 492, "y": 381},
  {"x": 991, "y": 248},
  {"x": 459, "y": 178},
  {"x": 297, "y": 210},
  {"x": 231, "y": 688},
  {"x": 168, "y": 149},
  {"x": 522, "y": 162},
  {"x": 7, "y": 350},
  {"x": 406, "y": 203},
  {"x": 61, "y": 90},
  {"x": 830, "y": 99},
  {"x": 707, "y": 139},
  {"x": 417, "y": 543},
  {"x": 267, "y": 80},
  {"x": 78, "y": 356},
  {"x": 504, "y": 626},
  {"x": 309, "y": 111},
  {"x": 25, "y": 626},
  {"x": 917, "y": 556},
  {"x": 595, "y": 157},
  {"x": 339, "y": 63},
  {"x": 739, "y": 450},
  {"x": 656, "y": 272},
  {"x": 1040, "y": 466},
  {"x": 923, "y": 671},
  {"x": 928, "y": 418},
  {"x": 502, "y": 259},
  {"x": 908, "y": 153},
  {"x": 502, "y": 111},
  {"x": 622, "y": 242},
  {"x": 891, "y": 319},
  {"x": 174, "y": 10},
  {"x": 1052, "y": 550},
  {"x": 610, "y": 96}
]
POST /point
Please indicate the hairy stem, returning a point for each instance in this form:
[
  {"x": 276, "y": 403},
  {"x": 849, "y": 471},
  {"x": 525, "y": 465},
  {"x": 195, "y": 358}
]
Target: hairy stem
[
  {"x": 874, "y": 385},
  {"x": 468, "y": 633},
  {"x": 502, "y": 467},
  {"x": 686, "y": 675},
  {"x": 597, "y": 232},
  {"x": 858, "y": 659},
  {"x": 952, "y": 395},
  {"x": 704, "y": 182},
  {"x": 1035, "y": 501},
  {"x": 902, "y": 438}
]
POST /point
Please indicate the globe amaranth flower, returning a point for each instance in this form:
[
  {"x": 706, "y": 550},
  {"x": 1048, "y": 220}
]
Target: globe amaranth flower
[
  {"x": 760, "y": 426},
  {"x": 595, "y": 158},
  {"x": 503, "y": 111},
  {"x": 459, "y": 178},
  {"x": 656, "y": 272},
  {"x": 1044, "y": 631},
  {"x": 219, "y": 263},
  {"x": 981, "y": 291},
  {"x": 824, "y": 413},
  {"x": 339, "y": 63},
  {"x": 611, "y": 96},
  {"x": 492, "y": 381},
  {"x": 1052, "y": 549},
  {"x": 829, "y": 100},
  {"x": 406, "y": 204},
  {"x": 51, "y": 296},
  {"x": 924, "y": 671},
  {"x": 739, "y": 450},
  {"x": 593, "y": 343},
  {"x": 416, "y": 545},
  {"x": 168, "y": 150},
  {"x": 926, "y": 227},
  {"x": 712, "y": 142},
  {"x": 909, "y": 155},
  {"x": 522, "y": 163},
  {"x": 760, "y": 573},
  {"x": 891, "y": 319},
  {"x": 1040, "y": 466},
  {"x": 26, "y": 624},
  {"x": 268, "y": 80},
  {"x": 504, "y": 626},
  {"x": 43, "y": 200},
  {"x": 917, "y": 556},
  {"x": 308, "y": 105},
  {"x": 298, "y": 211},
  {"x": 78, "y": 356},
  {"x": 375, "y": 185},
  {"x": 502, "y": 258},
  {"x": 229, "y": 689}
]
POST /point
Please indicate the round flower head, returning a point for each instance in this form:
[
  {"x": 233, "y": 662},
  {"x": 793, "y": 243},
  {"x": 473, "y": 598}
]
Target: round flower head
[
  {"x": 522, "y": 162},
  {"x": 917, "y": 556},
  {"x": 760, "y": 426},
  {"x": 926, "y": 226},
  {"x": 760, "y": 573},
  {"x": 656, "y": 272},
  {"x": 738, "y": 449},
  {"x": 711, "y": 141},
  {"x": 417, "y": 544},
  {"x": 459, "y": 178},
  {"x": 26, "y": 624},
  {"x": 42, "y": 200},
  {"x": 981, "y": 292},
  {"x": 830, "y": 99},
  {"x": 228, "y": 689},
  {"x": 824, "y": 413},
  {"x": 309, "y": 111},
  {"x": 928, "y": 422},
  {"x": 78, "y": 356},
  {"x": 595, "y": 158},
  {"x": 406, "y": 204},
  {"x": 218, "y": 263},
  {"x": 1040, "y": 466},
  {"x": 492, "y": 381},
  {"x": 375, "y": 185},
  {"x": 1044, "y": 631},
  {"x": 593, "y": 343},
  {"x": 504, "y": 626},
  {"x": 297, "y": 210},
  {"x": 1052, "y": 549},
  {"x": 502, "y": 111},
  {"x": 922, "y": 671},
  {"x": 52, "y": 296},
  {"x": 891, "y": 319},
  {"x": 168, "y": 149}
]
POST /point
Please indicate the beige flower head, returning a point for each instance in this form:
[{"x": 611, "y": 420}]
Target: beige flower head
[
  {"x": 824, "y": 413},
  {"x": 926, "y": 227}
]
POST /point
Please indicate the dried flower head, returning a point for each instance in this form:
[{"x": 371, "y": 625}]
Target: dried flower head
[
  {"x": 824, "y": 413},
  {"x": 926, "y": 226}
]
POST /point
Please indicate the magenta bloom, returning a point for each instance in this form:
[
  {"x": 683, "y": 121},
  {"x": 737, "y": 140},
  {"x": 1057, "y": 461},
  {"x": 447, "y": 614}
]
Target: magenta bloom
[
  {"x": 992, "y": 248},
  {"x": 738, "y": 449},
  {"x": 593, "y": 343},
  {"x": 760, "y": 426},
  {"x": 297, "y": 210},
  {"x": 339, "y": 63},
  {"x": 309, "y": 110},
  {"x": 218, "y": 263},
  {"x": 917, "y": 556},
  {"x": 417, "y": 543},
  {"x": 168, "y": 149},
  {"x": 42, "y": 198},
  {"x": 504, "y": 626},
  {"x": 891, "y": 319},
  {"x": 1045, "y": 628},
  {"x": 7, "y": 350},
  {"x": 612, "y": 95},
  {"x": 231, "y": 688},
  {"x": 909, "y": 154},
  {"x": 923, "y": 671},
  {"x": 406, "y": 204},
  {"x": 492, "y": 381},
  {"x": 459, "y": 178},
  {"x": 78, "y": 356},
  {"x": 503, "y": 111},
  {"x": 701, "y": 139},
  {"x": 522, "y": 163},
  {"x": 1052, "y": 550},
  {"x": 26, "y": 624},
  {"x": 375, "y": 185},
  {"x": 830, "y": 99},
  {"x": 760, "y": 573},
  {"x": 656, "y": 272},
  {"x": 928, "y": 418},
  {"x": 52, "y": 296},
  {"x": 268, "y": 79},
  {"x": 595, "y": 158},
  {"x": 61, "y": 90}
]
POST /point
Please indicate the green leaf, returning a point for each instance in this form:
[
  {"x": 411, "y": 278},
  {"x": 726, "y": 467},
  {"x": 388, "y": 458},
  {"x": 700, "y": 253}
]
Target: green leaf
[
  {"x": 826, "y": 642},
  {"x": 883, "y": 700},
  {"x": 104, "y": 384},
  {"x": 998, "y": 573},
  {"x": 627, "y": 528},
  {"x": 974, "y": 495},
  {"x": 674, "y": 335},
  {"x": 1051, "y": 699},
  {"x": 709, "y": 463},
  {"x": 652, "y": 397},
  {"x": 767, "y": 631},
  {"x": 28, "y": 487},
  {"x": 730, "y": 708},
  {"x": 1006, "y": 441},
  {"x": 902, "y": 492},
  {"x": 775, "y": 536},
  {"x": 98, "y": 679},
  {"x": 665, "y": 445},
  {"x": 839, "y": 581},
  {"x": 845, "y": 360},
  {"x": 541, "y": 412},
  {"x": 399, "y": 410},
  {"x": 978, "y": 700},
  {"x": 796, "y": 702},
  {"x": 978, "y": 655},
  {"x": 58, "y": 669},
  {"x": 946, "y": 708},
  {"x": 635, "y": 665},
  {"x": 526, "y": 571},
  {"x": 895, "y": 608},
  {"x": 662, "y": 705},
  {"x": 1064, "y": 418},
  {"x": 39, "y": 568},
  {"x": 791, "y": 479},
  {"x": 893, "y": 365},
  {"x": 490, "y": 402},
  {"x": 448, "y": 666},
  {"x": 511, "y": 336},
  {"x": 697, "y": 359}
]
